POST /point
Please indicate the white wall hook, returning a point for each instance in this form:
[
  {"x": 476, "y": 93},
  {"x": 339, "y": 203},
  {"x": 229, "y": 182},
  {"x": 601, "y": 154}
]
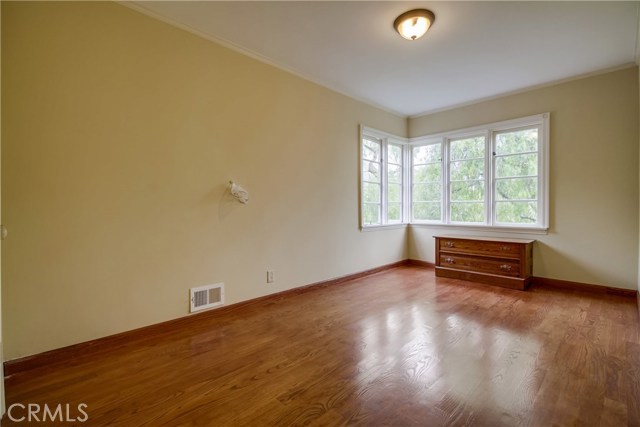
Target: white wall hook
[{"x": 238, "y": 192}]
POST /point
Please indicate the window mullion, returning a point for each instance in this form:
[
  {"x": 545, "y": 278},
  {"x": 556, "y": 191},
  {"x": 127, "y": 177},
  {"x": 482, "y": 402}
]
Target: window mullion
[
  {"x": 384, "y": 187},
  {"x": 407, "y": 183},
  {"x": 446, "y": 217},
  {"x": 491, "y": 178}
]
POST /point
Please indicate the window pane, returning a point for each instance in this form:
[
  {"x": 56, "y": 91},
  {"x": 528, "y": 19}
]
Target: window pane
[
  {"x": 427, "y": 211},
  {"x": 466, "y": 179},
  {"x": 521, "y": 141},
  {"x": 467, "y": 212},
  {"x": 370, "y": 192},
  {"x": 394, "y": 173},
  {"x": 394, "y": 211},
  {"x": 516, "y": 188},
  {"x": 469, "y": 148},
  {"x": 518, "y": 165},
  {"x": 427, "y": 154},
  {"x": 428, "y": 173},
  {"x": 427, "y": 183},
  {"x": 467, "y": 169},
  {"x": 394, "y": 154},
  {"x": 511, "y": 194},
  {"x": 370, "y": 171},
  {"x": 431, "y": 192},
  {"x": 467, "y": 191},
  {"x": 370, "y": 150},
  {"x": 395, "y": 193},
  {"x": 371, "y": 214},
  {"x": 517, "y": 212}
]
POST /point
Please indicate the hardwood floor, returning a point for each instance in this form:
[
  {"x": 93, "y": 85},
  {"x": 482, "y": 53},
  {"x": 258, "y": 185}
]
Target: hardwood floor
[{"x": 397, "y": 348}]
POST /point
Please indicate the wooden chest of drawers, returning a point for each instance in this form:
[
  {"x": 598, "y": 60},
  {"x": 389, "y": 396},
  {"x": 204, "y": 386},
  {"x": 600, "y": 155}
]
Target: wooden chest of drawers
[{"x": 501, "y": 262}]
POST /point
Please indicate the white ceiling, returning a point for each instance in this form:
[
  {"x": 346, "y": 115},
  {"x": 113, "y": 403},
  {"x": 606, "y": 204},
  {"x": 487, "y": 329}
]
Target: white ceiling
[{"x": 475, "y": 50}]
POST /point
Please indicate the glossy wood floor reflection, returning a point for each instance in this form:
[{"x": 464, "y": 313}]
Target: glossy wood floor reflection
[{"x": 398, "y": 348}]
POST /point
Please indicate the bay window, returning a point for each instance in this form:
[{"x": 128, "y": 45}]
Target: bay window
[{"x": 492, "y": 176}]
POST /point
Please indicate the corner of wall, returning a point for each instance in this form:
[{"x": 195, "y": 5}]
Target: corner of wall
[
  {"x": 638, "y": 70},
  {"x": 638, "y": 62}
]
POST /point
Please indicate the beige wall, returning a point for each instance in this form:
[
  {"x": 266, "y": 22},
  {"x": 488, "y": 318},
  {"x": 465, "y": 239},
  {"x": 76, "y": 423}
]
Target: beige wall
[
  {"x": 120, "y": 134},
  {"x": 593, "y": 236}
]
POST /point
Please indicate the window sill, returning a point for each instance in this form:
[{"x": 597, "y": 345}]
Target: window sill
[
  {"x": 484, "y": 228},
  {"x": 383, "y": 227}
]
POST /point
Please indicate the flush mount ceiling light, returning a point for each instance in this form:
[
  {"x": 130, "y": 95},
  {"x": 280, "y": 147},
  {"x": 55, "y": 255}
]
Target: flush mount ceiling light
[{"x": 414, "y": 24}]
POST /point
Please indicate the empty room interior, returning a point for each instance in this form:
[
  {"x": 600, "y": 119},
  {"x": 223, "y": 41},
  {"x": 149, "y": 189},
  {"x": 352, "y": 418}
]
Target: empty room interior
[{"x": 320, "y": 213}]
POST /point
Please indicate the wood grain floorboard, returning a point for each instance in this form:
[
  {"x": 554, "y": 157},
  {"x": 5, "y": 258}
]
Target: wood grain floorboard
[{"x": 397, "y": 348}]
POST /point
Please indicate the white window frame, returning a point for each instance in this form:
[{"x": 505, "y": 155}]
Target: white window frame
[
  {"x": 446, "y": 170},
  {"x": 385, "y": 139},
  {"x": 403, "y": 180},
  {"x": 543, "y": 186},
  {"x": 489, "y": 131},
  {"x": 421, "y": 142}
]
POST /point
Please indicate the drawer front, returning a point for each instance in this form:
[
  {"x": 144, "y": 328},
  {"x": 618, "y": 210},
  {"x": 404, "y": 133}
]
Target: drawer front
[
  {"x": 500, "y": 267},
  {"x": 480, "y": 247}
]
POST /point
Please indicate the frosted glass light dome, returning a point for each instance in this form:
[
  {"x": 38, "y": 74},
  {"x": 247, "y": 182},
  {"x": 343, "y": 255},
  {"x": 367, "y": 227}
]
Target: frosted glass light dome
[{"x": 414, "y": 24}]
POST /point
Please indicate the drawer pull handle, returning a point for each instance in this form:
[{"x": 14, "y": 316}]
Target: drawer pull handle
[
  {"x": 448, "y": 244},
  {"x": 505, "y": 248},
  {"x": 505, "y": 267},
  {"x": 449, "y": 260}
]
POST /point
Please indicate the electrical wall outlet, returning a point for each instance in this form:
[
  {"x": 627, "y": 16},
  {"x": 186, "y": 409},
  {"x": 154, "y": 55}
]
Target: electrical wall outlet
[{"x": 269, "y": 276}]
